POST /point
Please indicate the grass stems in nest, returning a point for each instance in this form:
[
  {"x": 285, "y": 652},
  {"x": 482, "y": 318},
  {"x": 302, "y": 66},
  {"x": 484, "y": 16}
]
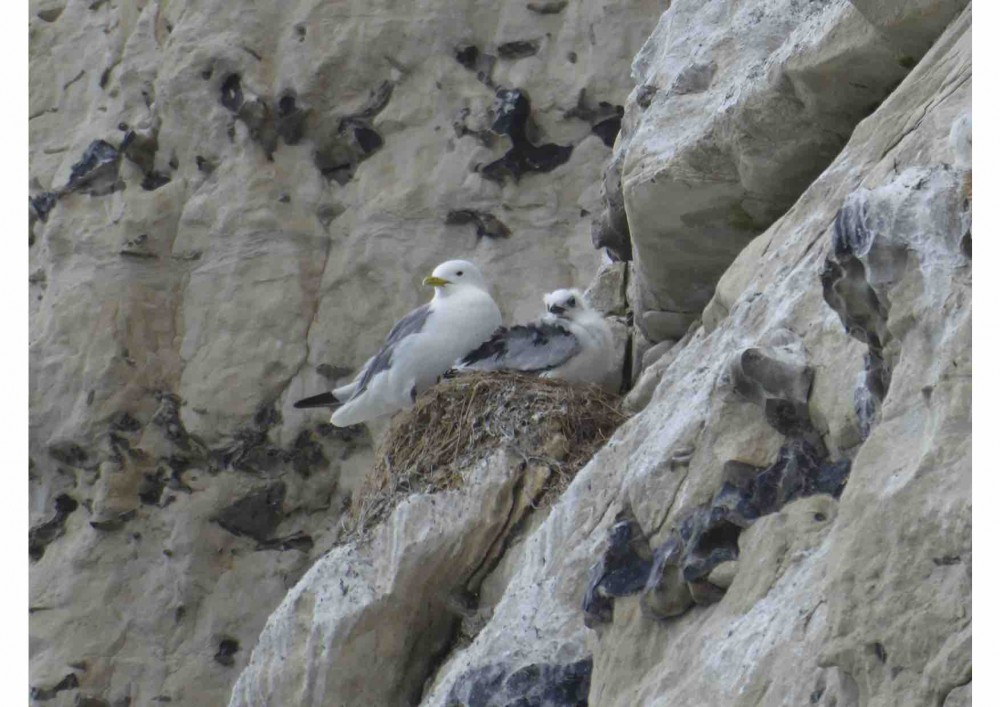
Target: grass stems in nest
[{"x": 462, "y": 420}]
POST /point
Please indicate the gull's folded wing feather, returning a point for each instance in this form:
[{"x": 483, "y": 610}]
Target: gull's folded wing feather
[
  {"x": 412, "y": 323},
  {"x": 534, "y": 347}
]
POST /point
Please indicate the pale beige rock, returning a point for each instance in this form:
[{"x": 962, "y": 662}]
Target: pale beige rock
[
  {"x": 911, "y": 25},
  {"x": 260, "y": 229},
  {"x": 724, "y": 574},
  {"x": 653, "y": 354},
  {"x": 961, "y": 141},
  {"x": 621, "y": 336},
  {"x": 670, "y": 597},
  {"x": 769, "y": 547},
  {"x": 250, "y": 280},
  {"x": 959, "y": 697},
  {"x": 856, "y": 601},
  {"x": 367, "y": 621},
  {"x": 640, "y": 345},
  {"x": 648, "y": 377},
  {"x": 738, "y": 107},
  {"x": 607, "y": 293},
  {"x": 265, "y": 271},
  {"x": 659, "y": 326}
]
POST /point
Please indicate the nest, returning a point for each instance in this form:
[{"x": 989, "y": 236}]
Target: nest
[{"x": 464, "y": 419}]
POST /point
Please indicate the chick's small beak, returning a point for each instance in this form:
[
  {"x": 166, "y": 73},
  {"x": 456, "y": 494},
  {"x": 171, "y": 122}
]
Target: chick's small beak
[
  {"x": 436, "y": 281},
  {"x": 556, "y": 309}
]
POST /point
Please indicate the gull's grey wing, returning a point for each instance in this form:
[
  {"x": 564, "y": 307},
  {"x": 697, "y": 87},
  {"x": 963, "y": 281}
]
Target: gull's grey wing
[
  {"x": 532, "y": 348},
  {"x": 412, "y": 323}
]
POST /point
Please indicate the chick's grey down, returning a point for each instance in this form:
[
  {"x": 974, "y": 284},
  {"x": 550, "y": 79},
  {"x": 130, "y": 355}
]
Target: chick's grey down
[{"x": 571, "y": 341}]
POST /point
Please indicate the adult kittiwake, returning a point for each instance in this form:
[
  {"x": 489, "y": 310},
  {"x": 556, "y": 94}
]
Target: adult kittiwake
[
  {"x": 571, "y": 341},
  {"x": 421, "y": 347}
]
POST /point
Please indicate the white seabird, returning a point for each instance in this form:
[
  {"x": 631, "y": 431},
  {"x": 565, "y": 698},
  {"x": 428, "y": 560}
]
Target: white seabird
[
  {"x": 571, "y": 341},
  {"x": 421, "y": 347}
]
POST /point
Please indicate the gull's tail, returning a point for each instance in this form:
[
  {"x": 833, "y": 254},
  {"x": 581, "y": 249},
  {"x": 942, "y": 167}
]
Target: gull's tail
[
  {"x": 361, "y": 409},
  {"x": 323, "y": 400},
  {"x": 333, "y": 399},
  {"x": 370, "y": 403}
]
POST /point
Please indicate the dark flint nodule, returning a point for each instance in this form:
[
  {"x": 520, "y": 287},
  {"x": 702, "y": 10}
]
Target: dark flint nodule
[
  {"x": 513, "y": 109},
  {"x": 227, "y": 649},
  {"x": 608, "y": 130},
  {"x": 257, "y": 514},
  {"x": 486, "y": 223},
  {"x": 41, "y": 535},
  {"x": 537, "y": 684},
  {"x": 518, "y": 49},
  {"x": 622, "y": 570},
  {"x": 231, "y": 93}
]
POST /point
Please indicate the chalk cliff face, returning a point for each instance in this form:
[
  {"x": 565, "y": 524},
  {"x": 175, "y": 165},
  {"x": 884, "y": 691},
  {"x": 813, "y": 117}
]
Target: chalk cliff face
[
  {"x": 786, "y": 518},
  {"x": 231, "y": 204}
]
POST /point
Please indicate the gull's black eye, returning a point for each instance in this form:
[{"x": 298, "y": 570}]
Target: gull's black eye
[
  {"x": 571, "y": 302},
  {"x": 459, "y": 273}
]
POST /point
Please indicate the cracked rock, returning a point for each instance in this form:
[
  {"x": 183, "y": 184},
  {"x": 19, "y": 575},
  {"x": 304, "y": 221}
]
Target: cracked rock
[
  {"x": 610, "y": 230},
  {"x": 607, "y": 292}
]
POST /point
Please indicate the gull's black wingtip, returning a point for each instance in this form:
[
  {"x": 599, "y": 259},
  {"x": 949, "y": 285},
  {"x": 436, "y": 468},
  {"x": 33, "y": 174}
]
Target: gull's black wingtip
[{"x": 323, "y": 400}]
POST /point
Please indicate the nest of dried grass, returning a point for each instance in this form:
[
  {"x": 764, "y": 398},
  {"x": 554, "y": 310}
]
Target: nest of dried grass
[{"x": 464, "y": 419}]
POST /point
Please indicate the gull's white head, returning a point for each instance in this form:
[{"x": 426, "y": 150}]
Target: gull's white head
[
  {"x": 567, "y": 304},
  {"x": 454, "y": 275}
]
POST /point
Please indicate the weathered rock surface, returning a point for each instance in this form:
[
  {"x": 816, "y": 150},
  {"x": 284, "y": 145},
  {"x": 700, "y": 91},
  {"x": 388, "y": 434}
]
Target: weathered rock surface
[
  {"x": 370, "y": 620},
  {"x": 738, "y": 106},
  {"x": 229, "y": 207},
  {"x": 864, "y": 600},
  {"x": 785, "y": 520}
]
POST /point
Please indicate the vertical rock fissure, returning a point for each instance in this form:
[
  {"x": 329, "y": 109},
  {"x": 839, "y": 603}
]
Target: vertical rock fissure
[{"x": 519, "y": 511}]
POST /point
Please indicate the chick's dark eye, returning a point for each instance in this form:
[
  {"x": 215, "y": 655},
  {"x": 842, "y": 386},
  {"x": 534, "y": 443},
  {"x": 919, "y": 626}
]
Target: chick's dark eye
[
  {"x": 571, "y": 302},
  {"x": 459, "y": 273}
]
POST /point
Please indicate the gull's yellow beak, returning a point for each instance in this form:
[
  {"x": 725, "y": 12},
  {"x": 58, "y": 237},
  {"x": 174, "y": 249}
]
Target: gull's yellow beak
[{"x": 436, "y": 281}]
